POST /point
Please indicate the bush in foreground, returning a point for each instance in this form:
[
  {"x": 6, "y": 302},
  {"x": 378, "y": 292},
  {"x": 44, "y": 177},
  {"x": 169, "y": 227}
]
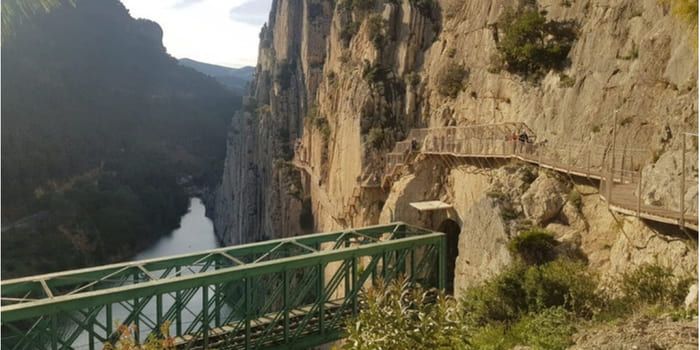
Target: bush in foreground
[
  {"x": 395, "y": 316},
  {"x": 532, "y": 305}
]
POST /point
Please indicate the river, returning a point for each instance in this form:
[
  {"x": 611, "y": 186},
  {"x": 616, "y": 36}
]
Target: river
[{"x": 196, "y": 233}]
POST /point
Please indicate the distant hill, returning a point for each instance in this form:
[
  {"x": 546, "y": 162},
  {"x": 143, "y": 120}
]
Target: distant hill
[
  {"x": 233, "y": 78},
  {"x": 99, "y": 127}
]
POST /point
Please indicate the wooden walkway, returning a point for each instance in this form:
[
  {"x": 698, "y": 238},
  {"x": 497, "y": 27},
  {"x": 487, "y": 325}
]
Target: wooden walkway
[{"x": 500, "y": 141}]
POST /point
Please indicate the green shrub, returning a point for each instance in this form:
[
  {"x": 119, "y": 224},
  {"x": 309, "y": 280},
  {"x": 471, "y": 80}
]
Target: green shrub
[
  {"x": 376, "y": 137},
  {"x": 361, "y": 6},
  {"x": 450, "y": 80},
  {"x": 528, "y": 174},
  {"x": 348, "y": 31},
  {"x": 551, "y": 329},
  {"x": 501, "y": 299},
  {"x": 493, "y": 336},
  {"x": 534, "y": 247},
  {"x": 413, "y": 317},
  {"x": 323, "y": 127},
  {"x": 566, "y": 81},
  {"x": 451, "y": 52},
  {"x": 376, "y": 27},
  {"x": 654, "y": 284},
  {"x": 687, "y": 11},
  {"x": 508, "y": 214},
  {"x": 562, "y": 283},
  {"x": 531, "y": 45},
  {"x": 413, "y": 79},
  {"x": 319, "y": 122},
  {"x": 374, "y": 73},
  {"x": 522, "y": 289},
  {"x": 574, "y": 198},
  {"x": 595, "y": 128}
]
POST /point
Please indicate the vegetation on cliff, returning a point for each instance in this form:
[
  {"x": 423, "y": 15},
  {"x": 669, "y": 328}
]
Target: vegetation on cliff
[
  {"x": 687, "y": 11},
  {"x": 539, "y": 302},
  {"x": 531, "y": 45}
]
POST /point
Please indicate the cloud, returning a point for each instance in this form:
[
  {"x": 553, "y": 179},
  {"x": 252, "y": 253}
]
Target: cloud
[
  {"x": 186, "y": 3},
  {"x": 253, "y": 12}
]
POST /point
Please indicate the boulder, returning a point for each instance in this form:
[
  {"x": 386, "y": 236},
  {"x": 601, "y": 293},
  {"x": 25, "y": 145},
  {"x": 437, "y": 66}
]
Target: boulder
[{"x": 543, "y": 200}]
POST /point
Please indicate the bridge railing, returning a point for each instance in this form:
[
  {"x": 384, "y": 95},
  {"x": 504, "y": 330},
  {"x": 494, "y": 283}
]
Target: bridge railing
[{"x": 276, "y": 293}]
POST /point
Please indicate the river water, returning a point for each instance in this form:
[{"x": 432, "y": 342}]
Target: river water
[{"x": 196, "y": 233}]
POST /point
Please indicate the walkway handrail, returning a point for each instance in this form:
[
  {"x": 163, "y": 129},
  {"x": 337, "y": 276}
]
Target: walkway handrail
[{"x": 592, "y": 161}]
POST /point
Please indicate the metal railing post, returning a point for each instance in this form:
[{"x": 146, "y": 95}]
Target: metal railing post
[
  {"x": 159, "y": 309},
  {"x": 108, "y": 319},
  {"x": 54, "y": 332},
  {"x": 246, "y": 302},
  {"x": 682, "y": 194},
  {"x": 178, "y": 306},
  {"x": 205, "y": 315},
  {"x": 217, "y": 298},
  {"x": 285, "y": 292},
  {"x": 609, "y": 184},
  {"x": 355, "y": 288},
  {"x": 588, "y": 165},
  {"x": 321, "y": 299},
  {"x": 137, "y": 322},
  {"x": 442, "y": 268},
  {"x": 639, "y": 195}
]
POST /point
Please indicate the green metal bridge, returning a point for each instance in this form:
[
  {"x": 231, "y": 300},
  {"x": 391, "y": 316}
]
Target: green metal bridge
[{"x": 291, "y": 293}]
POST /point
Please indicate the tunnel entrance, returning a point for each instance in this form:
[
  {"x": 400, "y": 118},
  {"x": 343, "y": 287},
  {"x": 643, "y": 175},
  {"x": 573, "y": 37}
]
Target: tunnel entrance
[{"x": 451, "y": 229}]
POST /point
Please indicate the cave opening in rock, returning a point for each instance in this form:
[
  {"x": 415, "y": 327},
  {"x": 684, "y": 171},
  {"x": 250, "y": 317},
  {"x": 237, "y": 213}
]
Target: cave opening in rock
[{"x": 451, "y": 229}]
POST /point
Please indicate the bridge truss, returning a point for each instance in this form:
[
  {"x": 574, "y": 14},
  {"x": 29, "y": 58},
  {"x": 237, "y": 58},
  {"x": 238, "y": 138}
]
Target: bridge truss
[{"x": 285, "y": 293}]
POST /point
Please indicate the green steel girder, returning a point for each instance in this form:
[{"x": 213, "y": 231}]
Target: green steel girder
[{"x": 263, "y": 277}]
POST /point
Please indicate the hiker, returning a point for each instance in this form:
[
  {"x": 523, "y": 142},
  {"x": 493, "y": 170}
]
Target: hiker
[
  {"x": 414, "y": 144},
  {"x": 523, "y": 137}
]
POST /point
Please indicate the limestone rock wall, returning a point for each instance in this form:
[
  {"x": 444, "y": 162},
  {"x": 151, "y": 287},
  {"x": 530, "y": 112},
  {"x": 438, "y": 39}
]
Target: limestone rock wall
[{"x": 347, "y": 84}]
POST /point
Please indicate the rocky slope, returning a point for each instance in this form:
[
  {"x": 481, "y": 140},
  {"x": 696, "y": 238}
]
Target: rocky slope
[{"x": 338, "y": 84}]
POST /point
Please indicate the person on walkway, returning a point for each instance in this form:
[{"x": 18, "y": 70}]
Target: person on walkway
[
  {"x": 523, "y": 137},
  {"x": 524, "y": 140}
]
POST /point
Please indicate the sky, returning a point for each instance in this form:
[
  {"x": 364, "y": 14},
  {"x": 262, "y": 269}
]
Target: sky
[{"x": 223, "y": 32}]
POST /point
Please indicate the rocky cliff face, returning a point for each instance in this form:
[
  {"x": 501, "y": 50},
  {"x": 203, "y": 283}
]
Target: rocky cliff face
[{"x": 338, "y": 84}]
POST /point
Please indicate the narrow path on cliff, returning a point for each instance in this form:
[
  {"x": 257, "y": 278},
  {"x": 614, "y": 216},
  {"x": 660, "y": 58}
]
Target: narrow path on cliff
[{"x": 618, "y": 171}]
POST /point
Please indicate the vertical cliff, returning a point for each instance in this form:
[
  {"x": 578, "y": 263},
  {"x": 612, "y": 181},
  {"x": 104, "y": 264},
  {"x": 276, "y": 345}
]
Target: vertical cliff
[
  {"x": 338, "y": 83},
  {"x": 261, "y": 194}
]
